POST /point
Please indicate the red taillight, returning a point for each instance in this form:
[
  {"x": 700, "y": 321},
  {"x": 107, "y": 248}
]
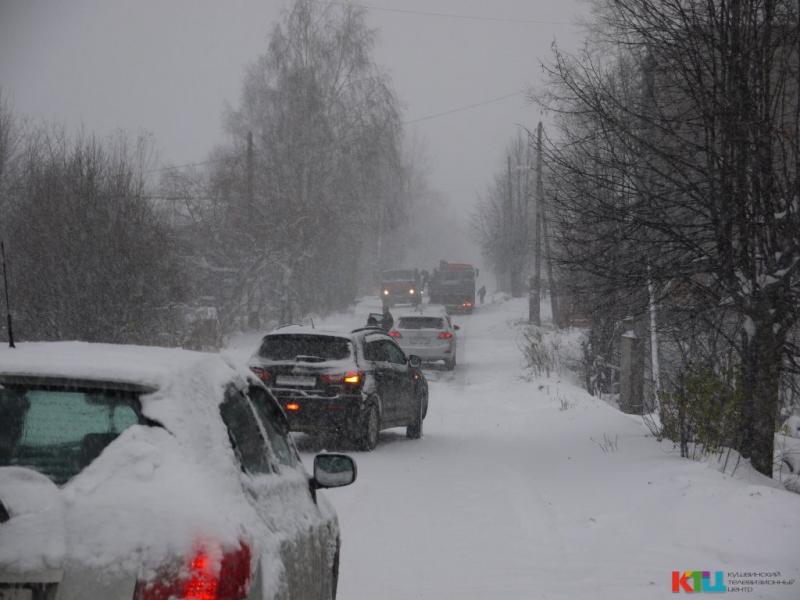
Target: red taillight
[
  {"x": 203, "y": 579},
  {"x": 467, "y": 304},
  {"x": 354, "y": 377},
  {"x": 395, "y": 334},
  {"x": 262, "y": 374},
  {"x": 234, "y": 574},
  {"x": 350, "y": 378},
  {"x": 203, "y": 582},
  {"x": 445, "y": 335}
]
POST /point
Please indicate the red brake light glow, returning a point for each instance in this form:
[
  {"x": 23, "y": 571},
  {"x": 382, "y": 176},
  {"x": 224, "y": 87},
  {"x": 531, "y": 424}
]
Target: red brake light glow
[
  {"x": 292, "y": 406},
  {"x": 203, "y": 579},
  {"x": 445, "y": 335},
  {"x": 262, "y": 374},
  {"x": 395, "y": 334}
]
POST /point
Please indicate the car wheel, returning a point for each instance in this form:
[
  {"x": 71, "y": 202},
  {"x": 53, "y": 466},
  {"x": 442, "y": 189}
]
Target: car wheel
[
  {"x": 370, "y": 428},
  {"x": 414, "y": 429},
  {"x": 450, "y": 363}
]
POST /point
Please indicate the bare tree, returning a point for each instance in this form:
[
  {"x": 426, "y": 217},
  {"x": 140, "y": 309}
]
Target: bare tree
[
  {"x": 90, "y": 258},
  {"x": 503, "y": 221},
  {"x": 678, "y": 165},
  {"x": 315, "y": 184}
]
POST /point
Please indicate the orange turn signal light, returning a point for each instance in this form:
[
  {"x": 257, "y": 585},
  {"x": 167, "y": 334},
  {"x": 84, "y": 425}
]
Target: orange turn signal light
[
  {"x": 352, "y": 377},
  {"x": 292, "y": 406}
]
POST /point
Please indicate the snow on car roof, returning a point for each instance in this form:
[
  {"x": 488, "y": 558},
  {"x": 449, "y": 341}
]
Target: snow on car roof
[
  {"x": 426, "y": 310},
  {"x": 306, "y": 330},
  {"x": 147, "y": 366}
]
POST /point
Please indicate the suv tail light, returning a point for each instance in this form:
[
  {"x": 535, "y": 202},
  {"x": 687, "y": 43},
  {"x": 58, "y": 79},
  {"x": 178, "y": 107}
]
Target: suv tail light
[
  {"x": 262, "y": 374},
  {"x": 202, "y": 578},
  {"x": 445, "y": 335},
  {"x": 354, "y": 378},
  {"x": 395, "y": 334}
]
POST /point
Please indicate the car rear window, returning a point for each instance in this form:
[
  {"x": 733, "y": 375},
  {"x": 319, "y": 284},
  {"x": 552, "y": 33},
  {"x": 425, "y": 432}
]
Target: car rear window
[
  {"x": 58, "y": 432},
  {"x": 305, "y": 347},
  {"x": 420, "y": 323}
]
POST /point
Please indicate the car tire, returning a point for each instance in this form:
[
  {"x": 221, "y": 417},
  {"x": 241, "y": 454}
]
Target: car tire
[
  {"x": 414, "y": 429},
  {"x": 450, "y": 363},
  {"x": 367, "y": 437}
]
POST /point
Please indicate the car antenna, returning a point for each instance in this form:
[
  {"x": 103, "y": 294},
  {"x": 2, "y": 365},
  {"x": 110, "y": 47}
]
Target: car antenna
[{"x": 8, "y": 304}]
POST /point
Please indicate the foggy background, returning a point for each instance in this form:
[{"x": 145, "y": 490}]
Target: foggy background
[{"x": 170, "y": 68}]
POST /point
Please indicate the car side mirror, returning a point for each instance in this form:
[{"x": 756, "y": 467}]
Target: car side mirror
[
  {"x": 333, "y": 470},
  {"x": 414, "y": 361},
  {"x": 456, "y": 328}
]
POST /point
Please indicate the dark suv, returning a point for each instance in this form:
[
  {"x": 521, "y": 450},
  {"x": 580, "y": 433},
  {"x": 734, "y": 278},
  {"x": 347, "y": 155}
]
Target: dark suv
[{"x": 351, "y": 384}]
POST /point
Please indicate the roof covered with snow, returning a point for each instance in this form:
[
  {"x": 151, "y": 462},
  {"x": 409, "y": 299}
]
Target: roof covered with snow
[{"x": 146, "y": 366}]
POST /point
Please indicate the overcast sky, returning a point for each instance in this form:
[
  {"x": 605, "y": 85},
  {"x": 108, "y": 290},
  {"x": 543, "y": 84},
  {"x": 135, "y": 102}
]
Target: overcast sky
[{"x": 167, "y": 67}]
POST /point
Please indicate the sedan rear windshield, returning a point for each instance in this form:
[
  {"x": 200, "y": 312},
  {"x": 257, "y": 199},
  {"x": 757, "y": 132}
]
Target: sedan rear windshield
[
  {"x": 305, "y": 347},
  {"x": 420, "y": 323},
  {"x": 59, "y": 431}
]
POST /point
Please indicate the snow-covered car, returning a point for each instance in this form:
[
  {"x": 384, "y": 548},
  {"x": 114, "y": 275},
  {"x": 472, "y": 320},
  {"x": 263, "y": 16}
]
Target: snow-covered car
[
  {"x": 133, "y": 473},
  {"x": 428, "y": 333},
  {"x": 349, "y": 384}
]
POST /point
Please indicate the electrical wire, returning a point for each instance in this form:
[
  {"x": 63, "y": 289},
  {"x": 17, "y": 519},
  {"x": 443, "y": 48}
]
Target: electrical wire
[
  {"x": 463, "y": 108},
  {"x": 426, "y": 13}
]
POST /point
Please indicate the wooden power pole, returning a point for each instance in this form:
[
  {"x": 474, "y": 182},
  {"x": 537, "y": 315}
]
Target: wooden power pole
[{"x": 534, "y": 300}]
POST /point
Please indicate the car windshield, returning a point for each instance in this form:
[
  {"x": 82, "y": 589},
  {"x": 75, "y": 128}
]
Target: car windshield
[
  {"x": 420, "y": 323},
  {"x": 398, "y": 276},
  {"x": 290, "y": 347},
  {"x": 59, "y": 431}
]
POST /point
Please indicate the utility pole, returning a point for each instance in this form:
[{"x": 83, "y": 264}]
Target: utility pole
[
  {"x": 253, "y": 316},
  {"x": 548, "y": 257},
  {"x": 508, "y": 243},
  {"x": 534, "y": 301},
  {"x": 250, "y": 175},
  {"x": 8, "y": 304}
]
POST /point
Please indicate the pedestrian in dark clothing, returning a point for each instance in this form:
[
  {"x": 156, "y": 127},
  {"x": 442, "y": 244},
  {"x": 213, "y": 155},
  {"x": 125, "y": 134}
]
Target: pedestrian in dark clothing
[
  {"x": 482, "y": 293},
  {"x": 388, "y": 321}
]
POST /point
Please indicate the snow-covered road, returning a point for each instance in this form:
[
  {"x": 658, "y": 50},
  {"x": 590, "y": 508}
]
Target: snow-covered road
[{"x": 509, "y": 495}]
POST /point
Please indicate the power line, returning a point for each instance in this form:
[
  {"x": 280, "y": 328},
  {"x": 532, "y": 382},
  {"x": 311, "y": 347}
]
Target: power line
[
  {"x": 194, "y": 164},
  {"x": 443, "y": 113},
  {"x": 425, "y": 13},
  {"x": 463, "y": 108}
]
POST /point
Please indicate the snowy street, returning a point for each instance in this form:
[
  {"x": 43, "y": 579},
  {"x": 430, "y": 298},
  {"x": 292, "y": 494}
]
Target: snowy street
[{"x": 509, "y": 494}]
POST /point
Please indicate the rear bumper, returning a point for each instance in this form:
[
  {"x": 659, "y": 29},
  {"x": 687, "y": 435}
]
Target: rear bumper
[
  {"x": 308, "y": 413},
  {"x": 442, "y": 352}
]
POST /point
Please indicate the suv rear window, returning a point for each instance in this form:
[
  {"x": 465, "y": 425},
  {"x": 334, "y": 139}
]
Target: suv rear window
[
  {"x": 310, "y": 347},
  {"x": 420, "y": 323},
  {"x": 59, "y": 431}
]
